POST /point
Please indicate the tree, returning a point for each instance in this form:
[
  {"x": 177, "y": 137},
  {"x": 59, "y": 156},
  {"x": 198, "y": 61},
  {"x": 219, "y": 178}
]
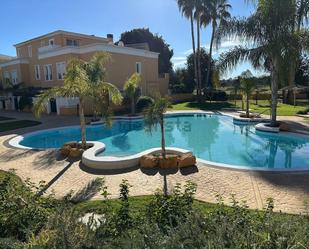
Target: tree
[
  {"x": 187, "y": 9},
  {"x": 204, "y": 68},
  {"x": 154, "y": 115},
  {"x": 131, "y": 88},
  {"x": 247, "y": 86},
  {"x": 270, "y": 32},
  {"x": 217, "y": 15},
  {"x": 80, "y": 81},
  {"x": 302, "y": 74},
  {"x": 181, "y": 82},
  {"x": 156, "y": 44}
]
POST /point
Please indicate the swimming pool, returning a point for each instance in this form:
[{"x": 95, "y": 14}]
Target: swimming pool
[{"x": 210, "y": 137}]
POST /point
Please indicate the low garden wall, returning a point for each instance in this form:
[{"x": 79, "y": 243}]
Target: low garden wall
[{"x": 182, "y": 97}]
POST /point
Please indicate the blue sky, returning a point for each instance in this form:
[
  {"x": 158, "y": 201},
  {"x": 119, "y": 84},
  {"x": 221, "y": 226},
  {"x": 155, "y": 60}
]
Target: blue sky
[{"x": 23, "y": 20}]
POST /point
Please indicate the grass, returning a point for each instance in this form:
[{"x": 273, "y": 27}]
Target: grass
[
  {"x": 13, "y": 125},
  {"x": 262, "y": 107},
  {"x": 5, "y": 118}
]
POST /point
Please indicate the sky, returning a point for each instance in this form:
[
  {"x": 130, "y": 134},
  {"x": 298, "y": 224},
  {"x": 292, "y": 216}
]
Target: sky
[{"x": 23, "y": 20}]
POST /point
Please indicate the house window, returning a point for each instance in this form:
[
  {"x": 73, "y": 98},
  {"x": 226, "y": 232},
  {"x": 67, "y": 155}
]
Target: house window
[
  {"x": 138, "y": 67},
  {"x": 60, "y": 70},
  {"x": 51, "y": 42},
  {"x": 14, "y": 77},
  {"x": 71, "y": 42},
  {"x": 30, "y": 51},
  {"x": 6, "y": 77},
  {"x": 18, "y": 52},
  {"x": 48, "y": 72},
  {"x": 37, "y": 73}
]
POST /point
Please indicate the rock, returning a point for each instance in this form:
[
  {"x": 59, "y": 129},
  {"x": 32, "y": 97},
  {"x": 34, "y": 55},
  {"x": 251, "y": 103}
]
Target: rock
[
  {"x": 170, "y": 162},
  {"x": 72, "y": 144},
  {"x": 75, "y": 153},
  {"x": 148, "y": 162},
  {"x": 65, "y": 150},
  {"x": 284, "y": 127},
  {"x": 186, "y": 160}
]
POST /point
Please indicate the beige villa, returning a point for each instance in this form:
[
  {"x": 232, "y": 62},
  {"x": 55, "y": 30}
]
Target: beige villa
[{"x": 40, "y": 64}]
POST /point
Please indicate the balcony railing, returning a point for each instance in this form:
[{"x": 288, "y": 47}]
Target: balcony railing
[{"x": 48, "y": 48}]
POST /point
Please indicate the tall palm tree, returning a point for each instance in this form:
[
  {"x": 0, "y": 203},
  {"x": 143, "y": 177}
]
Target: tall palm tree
[
  {"x": 301, "y": 18},
  {"x": 187, "y": 8},
  {"x": 131, "y": 88},
  {"x": 200, "y": 9},
  {"x": 269, "y": 33},
  {"x": 217, "y": 14},
  {"x": 83, "y": 83}
]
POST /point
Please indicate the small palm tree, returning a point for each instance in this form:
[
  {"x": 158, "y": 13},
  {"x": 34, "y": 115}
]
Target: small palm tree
[
  {"x": 131, "y": 88},
  {"x": 154, "y": 115},
  {"x": 78, "y": 83},
  {"x": 247, "y": 86}
]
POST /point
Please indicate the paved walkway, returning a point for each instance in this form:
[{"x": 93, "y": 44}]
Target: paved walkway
[{"x": 290, "y": 190}]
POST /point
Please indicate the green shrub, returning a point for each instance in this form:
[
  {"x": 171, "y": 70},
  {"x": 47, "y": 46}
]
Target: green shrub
[
  {"x": 25, "y": 102},
  {"x": 22, "y": 212}
]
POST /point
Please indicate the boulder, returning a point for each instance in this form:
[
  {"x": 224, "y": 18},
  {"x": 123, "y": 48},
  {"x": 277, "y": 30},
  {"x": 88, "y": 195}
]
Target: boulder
[
  {"x": 186, "y": 160},
  {"x": 169, "y": 162},
  {"x": 284, "y": 127},
  {"x": 65, "y": 150},
  {"x": 148, "y": 162},
  {"x": 72, "y": 144},
  {"x": 75, "y": 153}
]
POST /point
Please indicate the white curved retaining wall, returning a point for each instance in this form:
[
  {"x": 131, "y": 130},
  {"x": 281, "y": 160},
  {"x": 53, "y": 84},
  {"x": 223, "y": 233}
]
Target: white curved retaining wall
[{"x": 91, "y": 160}]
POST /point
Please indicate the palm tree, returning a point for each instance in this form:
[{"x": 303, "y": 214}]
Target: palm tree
[
  {"x": 200, "y": 9},
  {"x": 217, "y": 15},
  {"x": 131, "y": 88},
  {"x": 187, "y": 8},
  {"x": 247, "y": 86},
  {"x": 154, "y": 115},
  {"x": 78, "y": 84},
  {"x": 270, "y": 35}
]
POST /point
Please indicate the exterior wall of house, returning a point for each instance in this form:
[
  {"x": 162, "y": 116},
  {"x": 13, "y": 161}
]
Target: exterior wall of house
[{"x": 121, "y": 66}]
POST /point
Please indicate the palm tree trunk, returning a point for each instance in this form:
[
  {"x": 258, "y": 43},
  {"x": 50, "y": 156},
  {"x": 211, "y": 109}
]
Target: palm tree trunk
[
  {"x": 274, "y": 92},
  {"x": 210, "y": 55},
  {"x": 199, "y": 58},
  {"x": 247, "y": 107},
  {"x": 162, "y": 137},
  {"x": 194, "y": 52},
  {"x": 82, "y": 122}
]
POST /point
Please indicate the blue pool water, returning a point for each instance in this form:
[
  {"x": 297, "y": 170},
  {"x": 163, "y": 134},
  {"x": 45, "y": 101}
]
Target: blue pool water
[{"x": 210, "y": 137}]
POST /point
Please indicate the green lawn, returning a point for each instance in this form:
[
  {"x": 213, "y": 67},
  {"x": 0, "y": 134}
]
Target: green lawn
[
  {"x": 262, "y": 107},
  {"x": 5, "y": 118},
  {"x": 13, "y": 125}
]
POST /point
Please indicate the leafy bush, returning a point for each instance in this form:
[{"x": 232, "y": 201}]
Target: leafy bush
[
  {"x": 22, "y": 212},
  {"x": 143, "y": 102},
  {"x": 25, "y": 102},
  {"x": 173, "y": 221}
]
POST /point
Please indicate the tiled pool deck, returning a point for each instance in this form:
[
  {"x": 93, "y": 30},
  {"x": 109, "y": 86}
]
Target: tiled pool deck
[{"x": 290, "y": 191}]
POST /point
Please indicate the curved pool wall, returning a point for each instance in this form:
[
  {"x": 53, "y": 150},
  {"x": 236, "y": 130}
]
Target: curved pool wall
[{"x": 213, "y": 138}]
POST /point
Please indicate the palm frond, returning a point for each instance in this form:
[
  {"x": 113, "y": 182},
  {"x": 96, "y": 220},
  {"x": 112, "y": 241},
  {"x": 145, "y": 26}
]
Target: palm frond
[{"x": 228, "y": 60}]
